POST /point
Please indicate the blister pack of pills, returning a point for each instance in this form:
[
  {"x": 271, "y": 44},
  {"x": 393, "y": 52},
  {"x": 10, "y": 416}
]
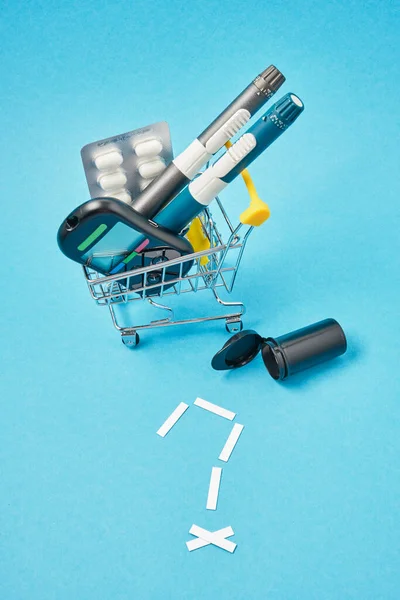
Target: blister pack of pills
[{"x": 122, "y": 166}]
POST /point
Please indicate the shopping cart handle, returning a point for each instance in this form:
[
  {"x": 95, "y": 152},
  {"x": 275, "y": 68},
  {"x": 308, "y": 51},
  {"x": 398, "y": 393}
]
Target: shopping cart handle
[{"x": 258, "y": 211}]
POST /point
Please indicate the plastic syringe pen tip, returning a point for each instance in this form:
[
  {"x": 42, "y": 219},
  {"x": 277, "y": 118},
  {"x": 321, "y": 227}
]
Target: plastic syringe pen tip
[
  {"x": 270, "y": 80},
  {"x": 288, "y": 108}
]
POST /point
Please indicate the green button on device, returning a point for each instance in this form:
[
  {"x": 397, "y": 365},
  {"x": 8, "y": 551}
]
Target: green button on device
[{"x": 92, "y": 237}]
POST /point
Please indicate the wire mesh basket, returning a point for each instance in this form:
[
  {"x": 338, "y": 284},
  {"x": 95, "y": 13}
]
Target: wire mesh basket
[{"x": 214, "y": 273}]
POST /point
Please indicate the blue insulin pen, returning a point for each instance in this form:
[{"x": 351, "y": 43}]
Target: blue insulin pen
[{"x": 200, "y": 192}]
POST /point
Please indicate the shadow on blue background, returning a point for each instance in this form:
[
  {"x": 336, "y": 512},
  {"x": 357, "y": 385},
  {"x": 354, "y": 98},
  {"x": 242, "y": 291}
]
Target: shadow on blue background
[{"x": 93, "y": 505}]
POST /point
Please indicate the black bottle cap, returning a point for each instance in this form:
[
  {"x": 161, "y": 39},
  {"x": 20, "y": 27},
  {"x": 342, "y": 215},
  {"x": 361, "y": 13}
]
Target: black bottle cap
[
  {"x": 285, "y": 355},
  {"x": 239, "y": 350}
]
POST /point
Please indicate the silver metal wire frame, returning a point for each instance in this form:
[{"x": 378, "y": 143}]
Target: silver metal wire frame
[
  {"x": 230, "y": 317},
  {"x": 220, "y": 272}
]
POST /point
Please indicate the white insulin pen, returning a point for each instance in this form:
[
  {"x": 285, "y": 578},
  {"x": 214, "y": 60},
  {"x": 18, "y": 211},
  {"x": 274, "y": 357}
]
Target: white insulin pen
[
  {"x": 200, "y": 192},
  {"x": 187, "y": 164}
]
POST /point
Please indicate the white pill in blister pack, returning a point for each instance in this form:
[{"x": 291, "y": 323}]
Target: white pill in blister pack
[
  {"x": 109, "y": 161},
  {"x": 152, "y": 168},
  {"x": 121, "y": 166},
  {"x": 123, "y": 195},
  {"x": 148, "y": 148},
  {"x": 113, "y": 181}
]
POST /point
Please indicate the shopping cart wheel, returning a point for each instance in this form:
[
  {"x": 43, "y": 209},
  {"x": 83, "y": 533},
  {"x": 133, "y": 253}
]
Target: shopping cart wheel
[
  {"x": 234, "y": 326},
  {"x": 131, "y": 340}
]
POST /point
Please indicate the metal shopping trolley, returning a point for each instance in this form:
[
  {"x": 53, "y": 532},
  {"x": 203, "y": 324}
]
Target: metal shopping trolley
[{"x": 215, "y": 274}]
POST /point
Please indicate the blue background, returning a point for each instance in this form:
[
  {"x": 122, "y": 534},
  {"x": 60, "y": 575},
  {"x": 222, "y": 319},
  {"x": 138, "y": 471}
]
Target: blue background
[{"x": 94, "y": 505}]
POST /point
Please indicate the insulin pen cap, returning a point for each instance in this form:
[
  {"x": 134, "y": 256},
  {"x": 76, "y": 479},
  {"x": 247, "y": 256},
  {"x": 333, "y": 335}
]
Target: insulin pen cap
[
  {"x": 269, "y": 81},
  {"x": 285, "y": 355}
]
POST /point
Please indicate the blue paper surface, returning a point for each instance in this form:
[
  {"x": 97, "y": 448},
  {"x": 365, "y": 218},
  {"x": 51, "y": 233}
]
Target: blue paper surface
[{"x": 93, "y": 504}]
